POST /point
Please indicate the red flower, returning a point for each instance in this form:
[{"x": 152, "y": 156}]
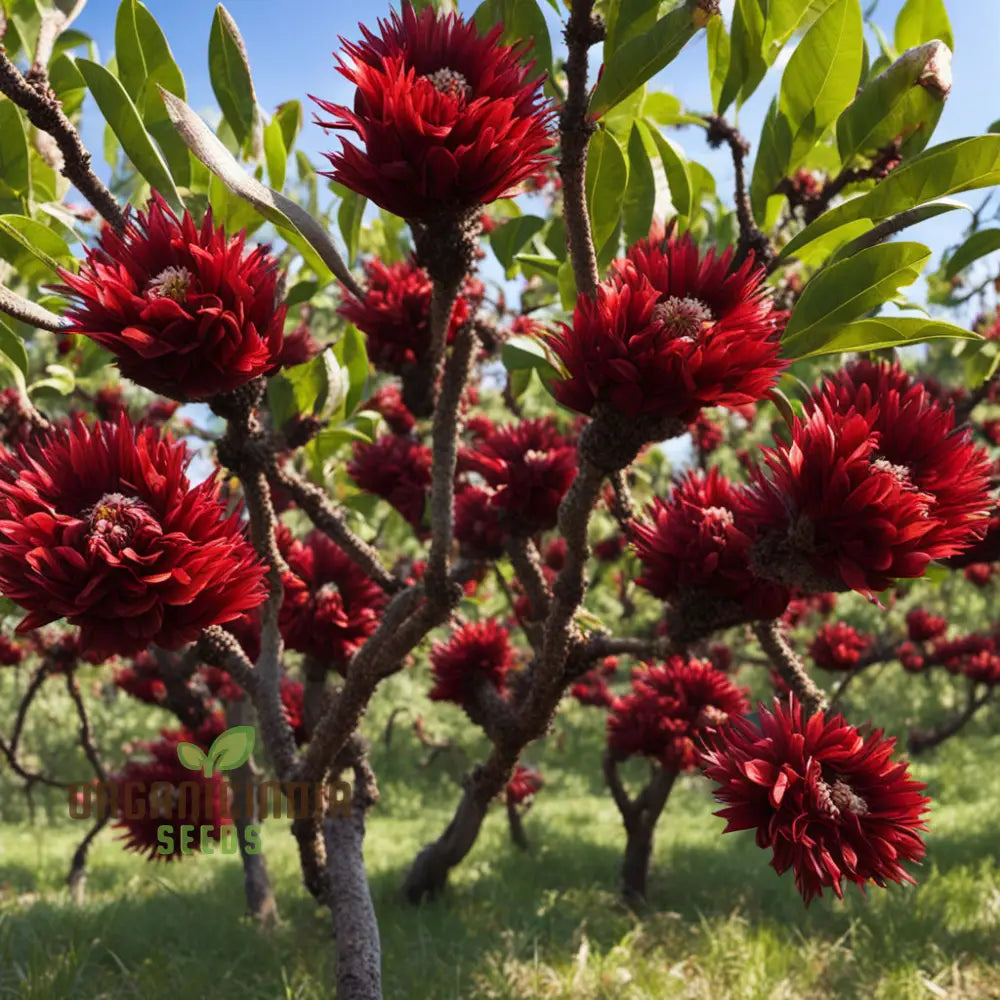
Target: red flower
[
  {"x": 184, "y": 311},
  {"x": 109, "y": 403},
  {"x": 918, "y": 442},
  {"x": 825, "y": 797},
  {"x": 143, "y": 680},
  {"x": 397, "y": 469},
  {"x": 592, "y": 688},
  {"x": 330, "y": 605},
  {"x": 696, "y": 542},
  {"x": 530, "y": 466},
  {"x": 299, "y": 347},
  {"x": 910, "y": 658},
  {"x": 11, "y": 652},
  {"x": 389, "y": 402},
  {"x": 705, "y": 434},
  {"x": 394, "y": 315},
  {"x": 478, "y": 653},
  {"x": 799, "y": 608},
  {"x": 831, "y": 508},
  {"x": 524, "y": 785},
  {"x": 190, "y": 799},
  {"x": 292, "y": 706},
  {"x": 922, "y": 625},
  {"x": 448, "y": 118},
  {"x": 671, "y": 332},
  {"x": 101, "y": 526},
  {"x": 979, "y": 574},
  {"x": 956, "y": 654},
  {"x": 838, "y": 646},
  {"x": 669, "y": 709},
  {"x": 479, "y": 526}
]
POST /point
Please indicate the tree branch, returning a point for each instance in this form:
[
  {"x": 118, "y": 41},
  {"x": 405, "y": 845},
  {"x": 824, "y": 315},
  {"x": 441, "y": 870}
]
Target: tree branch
[
  {"x": 789, "y": 666},
  {"x": 27, "y": 312}
]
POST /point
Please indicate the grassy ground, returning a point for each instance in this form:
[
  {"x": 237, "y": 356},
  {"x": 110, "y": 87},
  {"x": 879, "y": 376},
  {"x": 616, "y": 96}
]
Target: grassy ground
[{"x": 543, "y": 924}]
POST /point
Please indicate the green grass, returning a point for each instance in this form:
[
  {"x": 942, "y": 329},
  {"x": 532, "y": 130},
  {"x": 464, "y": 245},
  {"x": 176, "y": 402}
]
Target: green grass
[{"x": 544, "y": 924}]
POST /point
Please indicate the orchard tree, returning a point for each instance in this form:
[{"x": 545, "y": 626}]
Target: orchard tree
[{"x": 428, "y": 416}]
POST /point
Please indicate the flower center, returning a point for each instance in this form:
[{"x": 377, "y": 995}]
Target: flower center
[
  {"x": 710, "y": 715},
  {"x": 450, "y": 82},
  {"x": 170, "y": 283},
  {"x": 686, "y": 317},
  {"x": 113, "y": 520},
  {"x": 900, "y": 472},
  {"x": 840, "y": 797}
]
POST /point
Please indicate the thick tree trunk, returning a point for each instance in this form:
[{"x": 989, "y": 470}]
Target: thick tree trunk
[{"x": 635, "y": 866}]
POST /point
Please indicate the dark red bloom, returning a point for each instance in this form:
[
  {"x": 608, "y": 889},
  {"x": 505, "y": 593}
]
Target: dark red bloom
[
  {"x": 530, "y": 467},
  {"x": 979, "y": 574},
  {"x": 330, "y": 605},
  {"x": 394, "y": 315},
  {"x": 162, "y": 792},
  {"x": 956, "y": 654},
  {"x": 448, "y": 119},
  {"x": 101, "y": 526},
  {"x": 910, "y": 658},
  {"x": 143, "y": 680},
  {"x": 922, "y": 625},
  {"x": 592, "y": 688},
  {"x": 825, "y": 797},
  {"x": 838, "y": 646},
  {"x": 11, "y": 652},
  {"x": 524, "y": 785},
  {"x": 799, "y": 608},
  {"x": 186, "y": 312},
  {"x": 479, "y": 525},
  {"x": 389, "y": 402},
  {"x": 697, "y": 542},
  {"x": 397, "y": 469},
  {"x": 477, "y": 653},
  {"x": 299, "y": 347},
  {"x": 292, "y": 706},
  {"x": 670, "y": 333},
  {"x": 706, "y": 435},
  {"x": 109, "y": 403},
  {"x": 671, "y": 708},
  {"x": 609, "y": 549}
]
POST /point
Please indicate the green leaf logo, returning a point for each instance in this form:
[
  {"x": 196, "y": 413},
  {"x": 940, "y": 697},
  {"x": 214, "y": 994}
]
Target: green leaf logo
[
  {"x": 190, "y": 756},
  {"x": 230, "y": 750}
]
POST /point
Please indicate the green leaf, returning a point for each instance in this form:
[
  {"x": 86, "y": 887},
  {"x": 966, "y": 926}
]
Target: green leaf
[
  {"x": 527, "y": 354},
  {"x": 979, "y": 244},
  {"x": 229, "y": 72},
  {"x": 644, "y": 56},
  {"x": 607, "y": 178},
  {"x": 12, "y": 347},
  {"x": 522, "y": 21},
  {"x": 44, "y": 243},
  {"x": 746, "y": 63},
  {"x": 718, "y": 58},
  {"x": 349, "y": 216},
  {"x": 230, "y": 750},
  {"x": 640, "y": 195},
  {"x": 627, "y": 19},
  {"x": 888, "y": 331},
  {"x": 676, "y": 170},
  {"x": 128, "y": 51},
  {"x": 821, "y": 78},
  {"x": 123, "y": 118},
  {"x": 536, "y": 263},
  {"x": 509, "y": 238},
  {"x": 14, "y": 170},
  {"x": 275, "y": 153},
  {"x": 847, "y": 290},
  {"x": 922, "y": 21},
  {"x": 893, "y": 104},
  {"x": 352, "y": 353},
  {"x": 774, "y": 155},
  {"x": 191, "y": 756},
  {"x": 289, "y": 117},
  {"x": 787, "y": 17}
]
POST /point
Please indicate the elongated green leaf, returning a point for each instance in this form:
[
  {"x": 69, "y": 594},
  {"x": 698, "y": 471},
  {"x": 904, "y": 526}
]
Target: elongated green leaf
[
  {"x": 887, "y": 331},
  {"x": 640, "y": 195},
  {"x": 289, "y": 116},
  {"x": 821, "y": 78},
  {"x": 746, "y": 61},
  {"x": 718, "y": 58},
  {"x": 14, "y": 170},
  {"x": 44, "y": 243},
  {"x": 12, "y": 347},
  {"x": 922, "y": 21},
  {"x": 229, "y": 72},
  {"x": 785, "y": 18},
  {"x": 128, "y": 51},
  {"x": 526, "y": 354},
  {"x": 123, "y": 118},
  {"x": 508, "y": 239},
  {"x": 676, "y": 169},
  {"x": 774, "y": 155},
  {"x": 979, "y": 244},
  {"x": 275, "y": 154},
  {"x": 607, "y": 178},
  {"x": 896, "y": 224},
  {"x": 847, "y": 290},
  {"x": 352, "y": 353},
  {"x": 627, "y": 19},
  {"x": 645, "y": 55},
  {"x": 349, "y": 216},
  {"x": 522, "y": 21}
]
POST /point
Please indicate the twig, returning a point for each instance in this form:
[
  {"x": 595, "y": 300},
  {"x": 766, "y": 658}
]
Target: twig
[
  {"x": 789, "y": 666},
  {"x": 27, "y": 312},
  {"x": 919, "y": 741},
  {"x": 86, "y": 733},
  {"x": 528, "y": 567}
]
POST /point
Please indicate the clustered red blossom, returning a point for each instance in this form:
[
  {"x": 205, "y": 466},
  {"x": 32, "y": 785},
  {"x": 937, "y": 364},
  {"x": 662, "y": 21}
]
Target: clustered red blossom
[
  {"x": 388, "y": 401},
  {"x": 330, "y": 605},
  {"x": 839, "y": 646},
  {"x": 397, "y": 469},
  {"x": 592, "y": 688},
  {"x": 826, "y": 798},
  {"x": 448, "y": 119},
  {"x": 524, "y": 785},
  {"x": 477, "y": 653},
  {"x": 186, "y": 312},
  {"x": 669, "y": 709},
  {"x": 100, "y": 526},
  {"x": 922, "y": 625}
]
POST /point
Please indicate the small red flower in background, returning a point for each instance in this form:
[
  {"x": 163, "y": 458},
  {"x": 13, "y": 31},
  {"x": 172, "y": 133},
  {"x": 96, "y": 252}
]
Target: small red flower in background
[
  {"x": 330, "y": 605},
  {"x": 697, "y": 541},
  {"x": 799, "y": 608},
  {"x": 838, "y": 646},
  {"x": 524, "y": 785},
  {"x": 292, "y": 706},
  {"x": 921, "y": 625},
  {"x": 397, "y": 469},
  {"x": 299, "y": 347},
  {"x": 530, "y": 466},
  {"x": 669, "y": 709},
  {"x": 979, "y": 574},
  {"x": 592, "y": 688},
  {"x": 143, "y": 680},
  {"x": 479, "y": 527},
  {"x": 825, "y": 797},
  {"x": 448, "y": 119},
  {"x": 101, "y": 526},
  {"x": 477, "y": 653},
  {"x": 910, "y": 658},
  {"x": 11, "y": 652},
  {"x": 186, "y": 312},
  {"x": 706, "y": 434},
  {"x": 193, "y": 800},
  {"x": 394, "y": 314},
  {"x": 388, "y": 401},
  {"x": 956, "y": 654},
  {"x": 670, "y": 333}
]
